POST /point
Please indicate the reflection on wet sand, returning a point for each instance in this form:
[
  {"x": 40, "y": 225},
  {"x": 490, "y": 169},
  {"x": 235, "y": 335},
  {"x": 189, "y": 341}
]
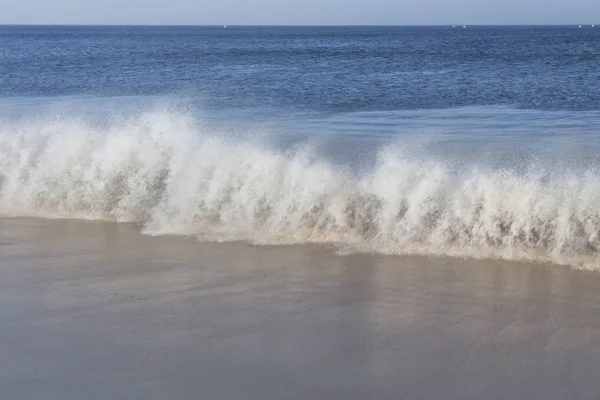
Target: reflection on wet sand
[{"x": 96, "y": 310}]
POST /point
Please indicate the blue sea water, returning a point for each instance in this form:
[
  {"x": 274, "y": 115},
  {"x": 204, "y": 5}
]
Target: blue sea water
[{"x": 477, "y": 141}]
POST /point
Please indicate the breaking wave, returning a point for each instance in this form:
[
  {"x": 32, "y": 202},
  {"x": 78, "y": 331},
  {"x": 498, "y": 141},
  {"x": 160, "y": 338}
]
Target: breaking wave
[{"x": 167, "y": 172}]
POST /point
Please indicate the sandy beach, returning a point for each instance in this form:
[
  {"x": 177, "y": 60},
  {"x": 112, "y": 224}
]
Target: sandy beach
[{"x": 98, "y": 311}]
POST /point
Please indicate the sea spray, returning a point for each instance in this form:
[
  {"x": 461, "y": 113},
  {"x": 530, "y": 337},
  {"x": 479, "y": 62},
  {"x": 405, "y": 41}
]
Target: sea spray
[{"x": 171, "y": 174}]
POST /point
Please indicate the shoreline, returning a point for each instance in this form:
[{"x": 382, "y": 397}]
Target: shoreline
[{"x": 98, "y": 310}]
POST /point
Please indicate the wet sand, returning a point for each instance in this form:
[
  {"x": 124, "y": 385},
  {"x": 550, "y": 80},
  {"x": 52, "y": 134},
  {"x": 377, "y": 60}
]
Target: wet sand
[{"x": 97, "y": 311}]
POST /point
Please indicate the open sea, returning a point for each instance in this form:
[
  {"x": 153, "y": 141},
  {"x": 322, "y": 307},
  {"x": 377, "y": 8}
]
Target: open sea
[{"x": 342, "y": 212}]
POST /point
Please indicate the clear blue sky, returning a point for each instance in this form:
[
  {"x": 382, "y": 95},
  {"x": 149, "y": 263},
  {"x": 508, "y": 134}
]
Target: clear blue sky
[{"x": 299, "y": 12}]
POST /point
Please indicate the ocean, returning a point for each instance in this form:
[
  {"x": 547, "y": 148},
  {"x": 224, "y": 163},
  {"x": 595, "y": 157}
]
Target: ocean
[
  {"x": 477, "y": 141},
  {"x": 337, "y": 212}
]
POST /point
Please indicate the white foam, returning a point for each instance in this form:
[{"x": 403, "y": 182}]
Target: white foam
[{"x": 163, "y": 169}]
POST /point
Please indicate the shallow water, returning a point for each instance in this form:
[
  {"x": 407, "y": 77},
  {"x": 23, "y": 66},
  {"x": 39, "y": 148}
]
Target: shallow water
[{"x": 97, "y": 310}]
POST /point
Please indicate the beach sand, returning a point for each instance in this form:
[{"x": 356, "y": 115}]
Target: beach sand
[{"x": 92, "y": 310}]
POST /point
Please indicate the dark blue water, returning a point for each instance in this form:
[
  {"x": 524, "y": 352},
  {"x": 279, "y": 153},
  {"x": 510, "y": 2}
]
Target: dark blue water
[
  {"x": 442, "y": 139},
  {"x": 325, "y": 69},
  {"x": 531, "y": 85}
]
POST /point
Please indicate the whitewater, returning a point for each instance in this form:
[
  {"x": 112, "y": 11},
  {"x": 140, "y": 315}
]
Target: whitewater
[{"x": 166, "y": 171}]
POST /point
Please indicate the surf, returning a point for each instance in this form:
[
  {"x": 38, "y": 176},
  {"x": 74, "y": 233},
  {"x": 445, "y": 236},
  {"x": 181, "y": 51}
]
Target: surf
[{"x": 171, "y": 174}]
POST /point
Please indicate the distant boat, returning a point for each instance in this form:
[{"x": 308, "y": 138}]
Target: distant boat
[
  {"x": 464, "y": 26},
  {"x": 224, "y": 26},
  {"x": 580, "y": 26},
  {"x": 454, "y": 26}
]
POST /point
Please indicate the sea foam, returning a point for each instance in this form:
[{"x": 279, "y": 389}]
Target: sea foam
[{"x": 169, "y": 173}]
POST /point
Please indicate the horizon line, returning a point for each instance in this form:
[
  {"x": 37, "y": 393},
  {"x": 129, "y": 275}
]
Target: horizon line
[{"x": 298, "y": 25}]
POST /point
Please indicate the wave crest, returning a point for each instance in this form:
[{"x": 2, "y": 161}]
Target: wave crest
[{"x": 165, "y": 171}]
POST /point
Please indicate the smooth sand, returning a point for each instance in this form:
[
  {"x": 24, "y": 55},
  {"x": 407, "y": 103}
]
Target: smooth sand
[{"x": 97, "y": 311}]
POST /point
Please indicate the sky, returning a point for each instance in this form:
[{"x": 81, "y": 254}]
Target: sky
[{"x": 299, "y": 12}]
